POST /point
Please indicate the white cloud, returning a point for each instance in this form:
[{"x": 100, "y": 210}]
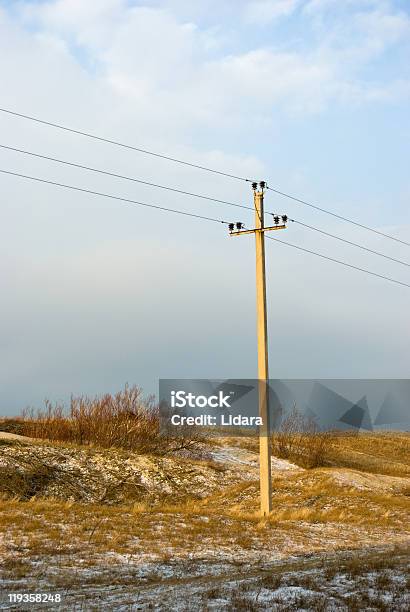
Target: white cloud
[
  {"x": 74, "y": 15},
  {"x": 182, "y": 72},
  {"x": 264, "y": 11},
  {"x": 321, "y": 6},
  {"x": 381, "y": 30}
]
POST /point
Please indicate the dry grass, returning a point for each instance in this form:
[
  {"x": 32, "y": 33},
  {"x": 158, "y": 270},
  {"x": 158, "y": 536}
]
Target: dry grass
[
  {"x": 322, "y": 511},
  {"x": 39, "y": 529},
  {"x": 78, "y": 549},
  {"x": 378, "y": 452}
]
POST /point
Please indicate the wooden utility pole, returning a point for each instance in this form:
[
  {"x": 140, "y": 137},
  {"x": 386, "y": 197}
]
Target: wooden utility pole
[{"x": 236, "y": 229}]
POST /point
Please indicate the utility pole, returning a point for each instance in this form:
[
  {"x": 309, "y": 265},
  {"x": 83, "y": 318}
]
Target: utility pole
[
  {"x": 263, "y": 370},
  {"x": 262, "y": 335}
]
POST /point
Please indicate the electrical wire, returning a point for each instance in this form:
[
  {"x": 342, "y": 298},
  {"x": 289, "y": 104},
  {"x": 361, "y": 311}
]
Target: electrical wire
[
  {"x": 122, "y": 176},
  {"x": 191, "y": 194},
  {"x": 113, "y": 197},
  {"x": 181, "y": 212},
  {"x": 359, "y": 246},
  {"x": 125, "y": 146},
  {"x": 328, "y": 212},
  {"x": 338, "y": 261},
  {"x": 200, "y": 167}
]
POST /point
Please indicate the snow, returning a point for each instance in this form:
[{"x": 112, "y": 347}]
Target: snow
[{"x": 233, "y": 454}]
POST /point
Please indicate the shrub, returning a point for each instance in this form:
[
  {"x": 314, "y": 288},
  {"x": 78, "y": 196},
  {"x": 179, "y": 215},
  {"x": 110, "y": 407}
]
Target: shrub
[
  {"x": 125, "y": 420},
  {"x": 299, "y": 439}
]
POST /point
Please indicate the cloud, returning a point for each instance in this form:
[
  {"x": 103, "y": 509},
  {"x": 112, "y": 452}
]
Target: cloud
[
  {"x": 323, "y": 6},
  {"x": 96, "y": 293},
  {"x": 264, "y": 11},
  {"x": 381, "y": 30},
  {"x": 192, "y": 78}
]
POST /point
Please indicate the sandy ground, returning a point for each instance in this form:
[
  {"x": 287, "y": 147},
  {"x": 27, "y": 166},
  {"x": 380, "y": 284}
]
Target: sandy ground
[{"x": 4, "y": 435}]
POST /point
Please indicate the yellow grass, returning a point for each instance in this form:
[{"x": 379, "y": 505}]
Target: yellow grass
[
  {"x": 380, "y": 453},
  {"x": 313, "y": 510}
]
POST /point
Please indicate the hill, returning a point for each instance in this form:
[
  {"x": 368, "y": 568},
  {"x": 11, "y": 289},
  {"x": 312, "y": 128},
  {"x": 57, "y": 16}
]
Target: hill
[{"x": 119, "y": 528}]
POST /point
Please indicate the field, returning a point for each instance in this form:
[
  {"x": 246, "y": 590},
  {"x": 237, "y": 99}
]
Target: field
[{"x": 113, "y": 528}]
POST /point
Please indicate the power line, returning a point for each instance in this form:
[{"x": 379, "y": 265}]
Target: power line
[
  {"x": 181, "y": 212},
  {"x": 113, "y": 197},
  {"x": 343, "y": 263},
  {"x": 360, "y": 246},
  {"x": 328, "y": 212},
  {"x": 189, "y": 193},
  {"x": 121, "y": 176},
  {"x": 200, "y": 167},
  {"x": 125, "y": 146}
]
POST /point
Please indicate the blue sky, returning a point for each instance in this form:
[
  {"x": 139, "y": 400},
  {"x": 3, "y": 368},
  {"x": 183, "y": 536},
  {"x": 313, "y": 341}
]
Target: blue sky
[{"x": 312, "y": 95}]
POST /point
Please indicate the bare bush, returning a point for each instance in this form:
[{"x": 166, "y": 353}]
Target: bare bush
[
  {"x": 299, "y": 439},
  {"x": 125, "y": 420}
]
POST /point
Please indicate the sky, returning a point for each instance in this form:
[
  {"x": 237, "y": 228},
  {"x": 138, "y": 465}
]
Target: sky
[{"x": 310, "y": 95}]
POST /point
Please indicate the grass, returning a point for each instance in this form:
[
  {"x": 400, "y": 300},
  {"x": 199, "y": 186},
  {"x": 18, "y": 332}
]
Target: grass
[
  {"x": 379, "y": 453},
  {"x": 42, "y": 528},
  {"x": 225, "y": 558},
  {"x": 78, "y": 548},
  {"x": 321, "y": 495},
  {"x": 322, "y": 591},
  {"x": 301, "y": 502},
  {"x": 352, "y": 504}
]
